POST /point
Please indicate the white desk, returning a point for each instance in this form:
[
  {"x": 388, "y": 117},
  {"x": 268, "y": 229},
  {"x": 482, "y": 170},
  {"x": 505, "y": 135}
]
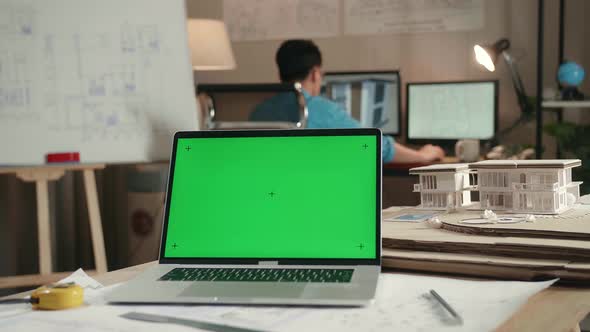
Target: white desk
[{"x": 554, "y": 309}]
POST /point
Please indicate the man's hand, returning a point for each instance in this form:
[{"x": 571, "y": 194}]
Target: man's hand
[
  {"x": 426, "y": 154},
  {"x": 431, "y": 152}
]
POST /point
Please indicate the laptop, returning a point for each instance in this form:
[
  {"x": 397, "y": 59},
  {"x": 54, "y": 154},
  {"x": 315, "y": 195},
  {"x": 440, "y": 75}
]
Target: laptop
[{"x": 284, "y": 217}]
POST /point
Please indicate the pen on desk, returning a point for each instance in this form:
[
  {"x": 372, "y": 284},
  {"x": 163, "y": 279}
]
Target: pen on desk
[{"x": 446, "y": 305}]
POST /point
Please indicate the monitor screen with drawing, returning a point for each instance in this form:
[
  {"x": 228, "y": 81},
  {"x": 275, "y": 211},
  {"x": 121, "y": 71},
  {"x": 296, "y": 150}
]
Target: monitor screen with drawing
[
  {"x": 449, "y": 111},
  {"x": 372, "y": 98}
]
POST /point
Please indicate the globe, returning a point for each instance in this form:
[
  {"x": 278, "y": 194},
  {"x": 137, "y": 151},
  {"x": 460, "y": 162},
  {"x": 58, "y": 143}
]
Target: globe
[{"x": 570, "y": 74}]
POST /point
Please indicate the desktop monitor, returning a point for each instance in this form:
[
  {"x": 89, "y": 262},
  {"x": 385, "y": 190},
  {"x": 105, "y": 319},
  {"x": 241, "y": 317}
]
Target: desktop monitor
[
  {"x": 443, "y": 112},
  {"x": 372, "y": 98}
]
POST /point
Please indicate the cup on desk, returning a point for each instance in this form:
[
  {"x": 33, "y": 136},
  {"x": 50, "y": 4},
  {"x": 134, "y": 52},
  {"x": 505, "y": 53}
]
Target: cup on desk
[{"x": 467, "y": 150}]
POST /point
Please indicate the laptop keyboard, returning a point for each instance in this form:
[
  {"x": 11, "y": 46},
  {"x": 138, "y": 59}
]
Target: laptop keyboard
[{"x": 253, "y": 274}]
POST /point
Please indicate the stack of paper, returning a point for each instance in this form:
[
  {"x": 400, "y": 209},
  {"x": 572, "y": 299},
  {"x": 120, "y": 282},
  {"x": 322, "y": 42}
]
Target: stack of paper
[{"x": 552, "y": 246}]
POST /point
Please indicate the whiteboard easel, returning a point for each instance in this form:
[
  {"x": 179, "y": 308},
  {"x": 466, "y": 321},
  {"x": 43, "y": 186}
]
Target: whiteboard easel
[
  {"x": 41, "y": 175},
  {"x": 111, "y": 80}
]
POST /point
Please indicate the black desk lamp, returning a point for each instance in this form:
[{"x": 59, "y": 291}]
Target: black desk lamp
[{"x": 487, "y": 56}]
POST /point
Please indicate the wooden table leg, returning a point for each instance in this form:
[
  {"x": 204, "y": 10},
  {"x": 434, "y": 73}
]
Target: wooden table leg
[
  {"x": 44, "y": 234},
  {"x": 41, "y": 175},
  {"x": 575, "y": 328},
  {"x": 100, "y": 259}
]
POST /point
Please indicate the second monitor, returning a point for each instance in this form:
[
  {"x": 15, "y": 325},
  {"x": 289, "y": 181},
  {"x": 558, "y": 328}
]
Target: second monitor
[
  {"x": 372, "y": 98},
  {"x": 447, "y": 111}
]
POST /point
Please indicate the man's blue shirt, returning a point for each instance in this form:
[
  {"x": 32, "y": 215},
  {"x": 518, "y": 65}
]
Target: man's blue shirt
[{"x": 323, "y": 113}]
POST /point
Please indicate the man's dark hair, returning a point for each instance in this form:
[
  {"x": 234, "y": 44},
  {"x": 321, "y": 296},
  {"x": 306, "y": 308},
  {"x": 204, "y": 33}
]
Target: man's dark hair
[{"x": 295, "y": 59}]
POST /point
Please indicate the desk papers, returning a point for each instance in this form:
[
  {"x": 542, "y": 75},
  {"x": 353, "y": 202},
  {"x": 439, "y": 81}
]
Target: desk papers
[
  {"x": 400, "y": 304},
  {"x": 557, "y": 249}
]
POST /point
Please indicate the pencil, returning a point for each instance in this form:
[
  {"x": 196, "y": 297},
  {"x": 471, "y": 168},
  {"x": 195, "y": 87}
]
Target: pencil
[{"x": 446, "y": 305}]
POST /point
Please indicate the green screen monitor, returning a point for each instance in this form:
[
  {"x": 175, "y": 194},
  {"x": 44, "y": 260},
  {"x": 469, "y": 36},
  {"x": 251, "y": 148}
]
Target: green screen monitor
[
  {"x": 286, "y": 195},
  {"x": 444, "y": 112}
]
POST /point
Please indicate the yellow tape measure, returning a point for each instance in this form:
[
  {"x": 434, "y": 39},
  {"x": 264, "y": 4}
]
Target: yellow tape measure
[{"x": 57, "y": 296}]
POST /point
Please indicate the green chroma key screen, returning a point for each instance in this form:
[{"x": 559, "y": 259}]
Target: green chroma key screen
[{"x": 274, "y": 197}]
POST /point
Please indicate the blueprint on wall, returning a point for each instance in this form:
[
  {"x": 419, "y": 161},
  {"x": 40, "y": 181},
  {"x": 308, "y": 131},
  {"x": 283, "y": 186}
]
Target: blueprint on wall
[
  {"x": 271, "y": 19},
  {"x": 399, "y": 16},
  {"x": 109, "y": 79}
]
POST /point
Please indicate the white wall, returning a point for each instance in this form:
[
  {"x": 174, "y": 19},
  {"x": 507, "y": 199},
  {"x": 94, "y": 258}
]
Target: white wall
[{"x": 433, "y": 56}]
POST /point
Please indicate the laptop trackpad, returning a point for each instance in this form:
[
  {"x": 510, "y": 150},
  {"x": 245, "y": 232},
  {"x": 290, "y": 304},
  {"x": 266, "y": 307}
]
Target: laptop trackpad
[{"x": 244, "y": 289}]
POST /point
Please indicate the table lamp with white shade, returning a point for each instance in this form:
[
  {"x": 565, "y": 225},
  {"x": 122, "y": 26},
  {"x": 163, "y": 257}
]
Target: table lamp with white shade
[
  {"x": 210, "y": 45},
  {"x": 211, "y": 49}
]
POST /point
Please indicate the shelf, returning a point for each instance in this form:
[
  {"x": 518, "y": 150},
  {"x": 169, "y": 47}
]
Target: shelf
[{"x": 566, "y": 104}]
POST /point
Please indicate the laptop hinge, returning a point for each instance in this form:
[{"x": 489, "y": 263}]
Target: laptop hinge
[{"x": 268, "y": 263}]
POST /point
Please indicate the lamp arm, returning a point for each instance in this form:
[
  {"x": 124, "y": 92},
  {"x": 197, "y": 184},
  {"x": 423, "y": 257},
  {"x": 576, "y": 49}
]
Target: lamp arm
[
  {"x": 499, "y": 136},
  {"x": 525, "y": 107},
  {"x": 517, "y": 81}
]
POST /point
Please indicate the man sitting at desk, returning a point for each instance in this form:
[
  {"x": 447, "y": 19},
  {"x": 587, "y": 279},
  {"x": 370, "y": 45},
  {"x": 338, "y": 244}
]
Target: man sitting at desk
[{"x": 301, "y": 61}]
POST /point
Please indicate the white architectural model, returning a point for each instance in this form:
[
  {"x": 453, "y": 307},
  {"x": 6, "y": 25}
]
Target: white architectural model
[
  {"x": 527, "y": 186},
  {"x": 519, "y": 186},
  {"x": 443, "y": 186}
]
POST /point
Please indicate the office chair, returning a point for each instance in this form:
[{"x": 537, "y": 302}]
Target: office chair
[{"x": 228, "y": 106}]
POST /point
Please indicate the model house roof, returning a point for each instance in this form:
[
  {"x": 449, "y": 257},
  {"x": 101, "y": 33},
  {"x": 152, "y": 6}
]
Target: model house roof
[
  {"x": 513, "y": 164},
  {"x": 440, "y": 168}
]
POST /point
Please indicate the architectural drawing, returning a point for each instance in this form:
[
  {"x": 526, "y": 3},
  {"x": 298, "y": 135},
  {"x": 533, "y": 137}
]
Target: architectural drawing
[
  {"x": 363, "y": 17},
  {"x": 271, "y": 19},
  {"x": 118, "y": 75}
]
